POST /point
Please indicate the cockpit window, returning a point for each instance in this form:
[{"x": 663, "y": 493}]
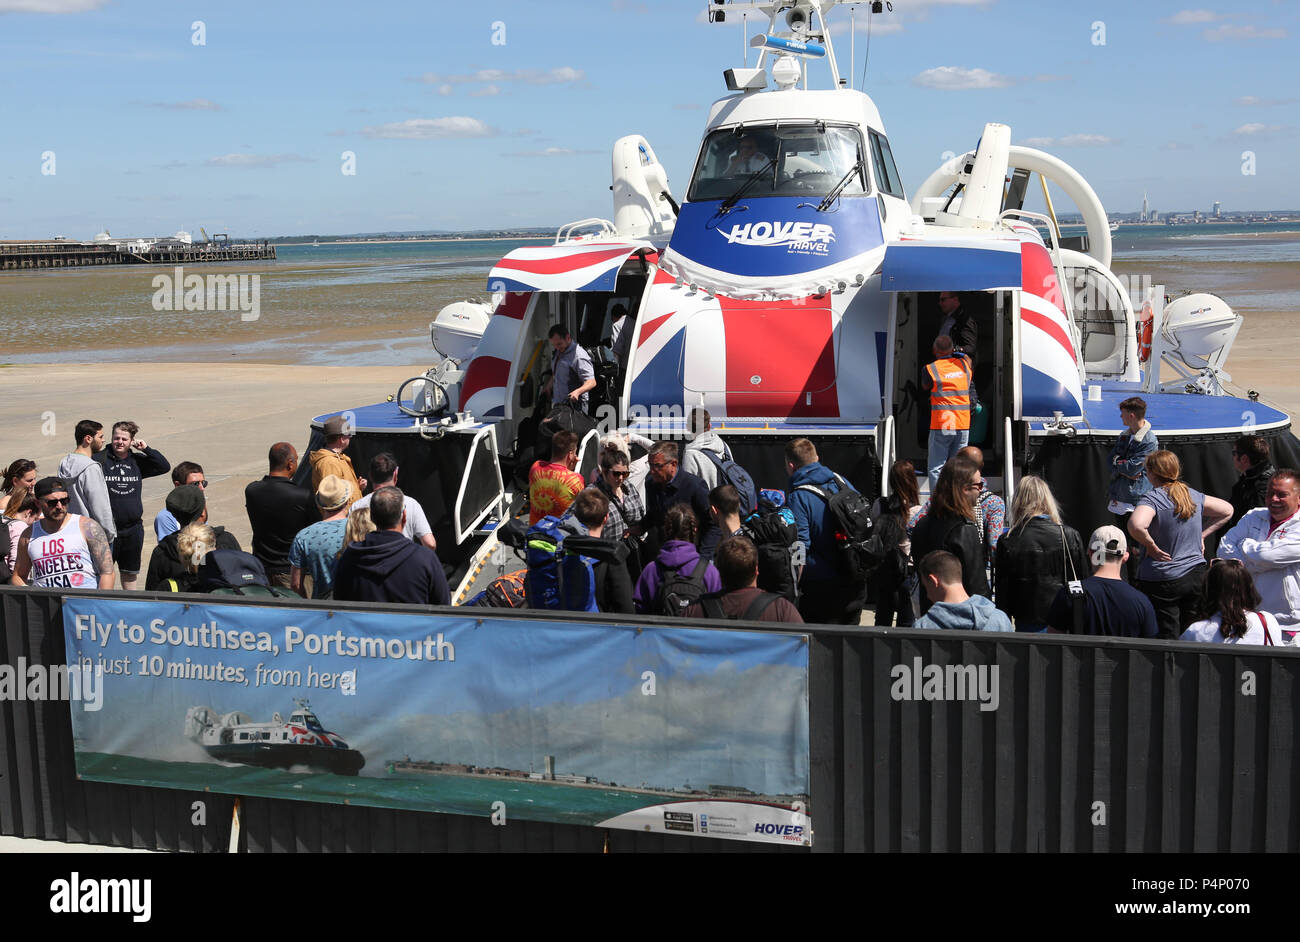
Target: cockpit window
[{"x": 790, "y": 160}]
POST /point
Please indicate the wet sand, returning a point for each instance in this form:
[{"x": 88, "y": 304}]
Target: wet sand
[{"x": 224, "y": 416}]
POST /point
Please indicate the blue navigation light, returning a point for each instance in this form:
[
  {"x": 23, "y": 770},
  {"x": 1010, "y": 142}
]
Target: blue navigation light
[{"x": 789, "y": 46}]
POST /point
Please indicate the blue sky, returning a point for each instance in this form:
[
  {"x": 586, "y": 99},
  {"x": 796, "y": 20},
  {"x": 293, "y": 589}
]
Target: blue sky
[{"x": 245, "y": 133}]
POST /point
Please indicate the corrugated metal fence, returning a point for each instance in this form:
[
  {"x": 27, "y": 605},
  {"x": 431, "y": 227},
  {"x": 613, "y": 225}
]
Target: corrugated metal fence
[{"x": 1094, "y": 745}]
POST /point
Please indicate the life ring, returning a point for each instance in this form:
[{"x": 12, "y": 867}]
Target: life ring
[{"x": 1146, "y": 318}]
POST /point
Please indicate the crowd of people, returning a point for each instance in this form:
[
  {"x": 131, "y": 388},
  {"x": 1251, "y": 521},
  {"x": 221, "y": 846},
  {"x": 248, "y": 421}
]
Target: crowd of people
[{"x": 682, "y": 530}]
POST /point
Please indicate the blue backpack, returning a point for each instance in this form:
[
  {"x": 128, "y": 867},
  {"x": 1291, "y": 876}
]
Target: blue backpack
[
  {"x": 557, "y": 580},
  {"x": 731, "y": 473}
]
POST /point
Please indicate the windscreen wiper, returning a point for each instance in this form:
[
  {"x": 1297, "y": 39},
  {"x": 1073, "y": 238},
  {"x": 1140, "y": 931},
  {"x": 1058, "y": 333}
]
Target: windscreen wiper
[
  {"x": 734, "y": 198},
  {"x": 835, "y": 192}
]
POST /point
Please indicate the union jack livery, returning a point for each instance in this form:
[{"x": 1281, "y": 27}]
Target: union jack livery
[{"x": 301, "y": 741}]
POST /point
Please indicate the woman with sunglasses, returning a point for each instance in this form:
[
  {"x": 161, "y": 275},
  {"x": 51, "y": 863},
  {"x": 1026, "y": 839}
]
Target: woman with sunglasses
[
  {"x": 626, "y": 509},
  {"x": 950, "y": 525}
]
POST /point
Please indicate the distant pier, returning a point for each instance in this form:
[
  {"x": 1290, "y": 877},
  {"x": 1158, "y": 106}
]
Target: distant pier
[{"x": 62, "y": 253}]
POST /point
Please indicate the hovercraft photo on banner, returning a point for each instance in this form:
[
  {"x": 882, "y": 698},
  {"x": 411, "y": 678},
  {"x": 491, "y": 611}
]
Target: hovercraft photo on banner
[{"x": 664, "y": 729}]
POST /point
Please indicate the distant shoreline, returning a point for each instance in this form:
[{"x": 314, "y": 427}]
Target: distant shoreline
[{"x": 321, "y": 245}]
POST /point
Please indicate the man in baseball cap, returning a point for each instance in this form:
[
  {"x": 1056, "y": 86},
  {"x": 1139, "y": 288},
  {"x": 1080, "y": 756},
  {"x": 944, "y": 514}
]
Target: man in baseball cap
[
  {"x": 331, "y": 458},
  {"x": 1104, "y": 604},
  {"x": 62, "y": 549}
]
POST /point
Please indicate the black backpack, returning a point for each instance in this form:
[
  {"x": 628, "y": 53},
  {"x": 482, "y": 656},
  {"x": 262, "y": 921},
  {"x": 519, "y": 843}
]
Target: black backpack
[
  {"x": 230, "y": 569},
  {"x": 850, "y": 513},
  {"x": 677, "y": 593},
  {"x": 780, "y": 554}
]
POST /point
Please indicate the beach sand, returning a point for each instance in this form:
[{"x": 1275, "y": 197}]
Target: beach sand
[{"x": 224, "y": 416}]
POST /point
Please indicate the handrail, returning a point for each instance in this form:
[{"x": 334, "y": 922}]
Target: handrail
[
  {"x": 886, "y": 449},
  {"x": 1008, "y": 463},
  {"x": 566, "y": 232}
]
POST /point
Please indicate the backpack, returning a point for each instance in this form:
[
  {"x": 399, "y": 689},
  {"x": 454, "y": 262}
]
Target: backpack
[
  {"x": 850, "y": 514},
  {"x": 556, "y": 579},
  {"x": 506, "y": 591},
  {"x": 731, "y": 473},
  {"x": 225, "y": 569},
  {"x": 780, "y": 552},
  {"x": 712, "y": 604},
  {"x": 676, "y": 592}
]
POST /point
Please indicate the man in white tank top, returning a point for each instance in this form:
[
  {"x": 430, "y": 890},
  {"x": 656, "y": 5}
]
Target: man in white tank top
[{"x": 63, "y": 550}]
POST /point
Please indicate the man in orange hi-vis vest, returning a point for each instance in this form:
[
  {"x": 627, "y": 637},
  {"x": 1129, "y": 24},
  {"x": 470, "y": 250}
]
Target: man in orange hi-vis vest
[{"x": 949, "y": 380}]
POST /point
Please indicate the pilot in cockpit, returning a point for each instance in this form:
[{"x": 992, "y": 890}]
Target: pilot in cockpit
[{"x": 749, "y": 158}]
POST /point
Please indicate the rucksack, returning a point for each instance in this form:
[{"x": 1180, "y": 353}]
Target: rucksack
[
  {"x": 505, "y": 591},
  {"x": 556, "y": 579},
  {"x": 676, "y": 592},
  {"x": 731, "y": 473},
  {"x": 224, "y": 569},
  {"x": 780, "y": 551},
  {"x": 850, "y": 516},
  {"x": 712, "y": 604}
]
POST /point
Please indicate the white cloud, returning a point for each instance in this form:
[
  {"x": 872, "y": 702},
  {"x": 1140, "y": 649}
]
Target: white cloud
[
  {"x": 560, "y": 75},
  {"x": 1248, "y": 101},
  {"x": 49, "y": 6},
  {"x": 1192, "y": 17},
  {"x": 1070, "y": 140},
  {"x": 1228, "y": 32},
  {"x": 256, "y": 160},
  {"x": 878, "y": 28},
  {"x": 951, "y": 77},
  {"x": 431, "y": 129},
  {"x": 1255, "y": 127},
  {"x": 194, "y": 104},
  {"x": 485, "y": 92},
  {"x": 551, "y": 152}
]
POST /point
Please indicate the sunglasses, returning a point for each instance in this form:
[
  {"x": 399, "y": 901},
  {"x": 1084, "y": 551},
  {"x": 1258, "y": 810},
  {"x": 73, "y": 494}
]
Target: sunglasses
[
  {"x": 202, "y": 484},
  {"x": 620, "y": 474},
  {"x": 56, "y": 501}
]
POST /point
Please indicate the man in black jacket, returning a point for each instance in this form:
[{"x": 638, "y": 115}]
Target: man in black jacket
[
  {"x": 613, "y": 583},
  {"x": 277, "y": 510},
  {"x": 1250, "y": 458},
  {"x": 188, "y": 505},
  {"x": 666, "y": 485},
  {"x": 386, "y": 566}
]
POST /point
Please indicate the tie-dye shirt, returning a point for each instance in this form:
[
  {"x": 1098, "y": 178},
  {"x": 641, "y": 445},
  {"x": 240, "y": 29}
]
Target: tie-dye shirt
[{"x": 551, "y": 489}]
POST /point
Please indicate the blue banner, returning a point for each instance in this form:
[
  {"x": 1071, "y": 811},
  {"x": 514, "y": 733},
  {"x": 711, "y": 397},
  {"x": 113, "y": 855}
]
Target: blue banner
[
  {"x": 677, "y": 730},
  {"x": 776, "y": 235}
]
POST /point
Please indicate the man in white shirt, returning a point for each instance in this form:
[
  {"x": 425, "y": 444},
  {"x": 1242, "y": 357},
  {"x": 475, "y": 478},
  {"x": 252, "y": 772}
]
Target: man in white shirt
[
  {"x": 383, "y": 471},
  {"x": 1267, "y": 541}
]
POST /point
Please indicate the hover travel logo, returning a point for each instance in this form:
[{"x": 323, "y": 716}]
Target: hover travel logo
[{"x": 805, "y": 238}]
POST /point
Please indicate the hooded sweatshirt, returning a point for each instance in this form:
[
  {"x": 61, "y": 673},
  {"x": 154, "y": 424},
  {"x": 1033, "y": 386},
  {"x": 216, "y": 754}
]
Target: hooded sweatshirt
[
  {"x": 813, "y": 520},
  {"x": 702, "y": 465},
  {"x": 87, "y": 492},
  {"x": 975, "y": 614},
  {"x": 678, "y": 556},
  {"x": 387, "y": 567}
]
